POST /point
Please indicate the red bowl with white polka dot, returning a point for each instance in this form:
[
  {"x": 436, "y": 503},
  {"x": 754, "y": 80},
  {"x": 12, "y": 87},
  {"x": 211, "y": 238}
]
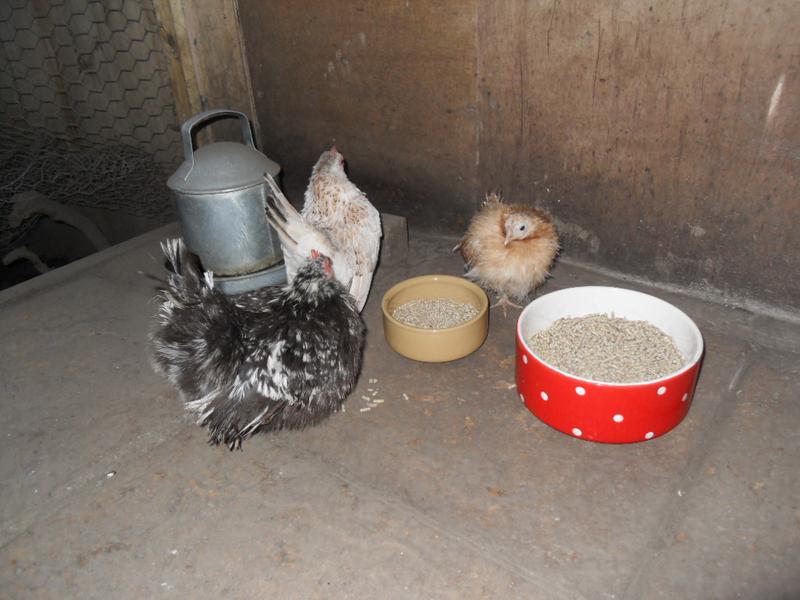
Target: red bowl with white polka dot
[{"x": 600, "y": 411}]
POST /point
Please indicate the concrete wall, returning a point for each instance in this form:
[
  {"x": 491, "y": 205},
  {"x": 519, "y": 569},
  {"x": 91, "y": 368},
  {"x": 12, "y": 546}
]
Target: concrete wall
[{"x": 665, "y": 137}]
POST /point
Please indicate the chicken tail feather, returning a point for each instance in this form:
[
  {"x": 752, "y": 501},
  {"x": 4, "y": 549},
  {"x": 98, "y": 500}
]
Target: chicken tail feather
[
  {"x": 297, "y": 236},
  {"x": 286, "y": 211},
  {"x": 199, "y": 342},
  {"x": 278, "y": 220},
  {"x": 184, "y": 270}
]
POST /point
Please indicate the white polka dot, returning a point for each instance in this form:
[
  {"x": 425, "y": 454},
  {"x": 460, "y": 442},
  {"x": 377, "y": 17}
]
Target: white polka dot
[
  {"x": 580, "y": 391},
  {"x": 661, "y": 391},
  {"x": 685, "y": 397},
  {"x": 544, "y": 396},
  {"x": 525, "y": 358},
  {"x": 618, "y": 418},
  {"x": 576, "y": 432},
  {"x": 648, "y": 435},
  {"x": 521, "y": 397}
]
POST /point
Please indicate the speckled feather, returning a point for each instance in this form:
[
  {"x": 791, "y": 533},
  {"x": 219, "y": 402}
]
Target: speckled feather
[
  {"x": 338, "y": 220},
  {"x": 266, "y": 360},
  {"x": 512, "y": 270}
]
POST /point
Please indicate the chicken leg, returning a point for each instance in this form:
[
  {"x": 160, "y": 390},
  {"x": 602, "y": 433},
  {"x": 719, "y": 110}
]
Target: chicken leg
[{"x": 504, "y": 302}]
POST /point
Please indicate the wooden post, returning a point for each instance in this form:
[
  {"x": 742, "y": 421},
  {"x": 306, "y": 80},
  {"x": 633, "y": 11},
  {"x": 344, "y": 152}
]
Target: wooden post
[{"x": 208, "y": 66}]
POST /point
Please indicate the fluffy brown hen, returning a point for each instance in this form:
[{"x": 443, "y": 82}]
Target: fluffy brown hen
[{"x": 508, "y": 249}]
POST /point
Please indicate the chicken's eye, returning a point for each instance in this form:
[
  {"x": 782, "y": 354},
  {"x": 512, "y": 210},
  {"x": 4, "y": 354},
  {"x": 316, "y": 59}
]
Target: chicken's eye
[{"x": 522, "y": 227}]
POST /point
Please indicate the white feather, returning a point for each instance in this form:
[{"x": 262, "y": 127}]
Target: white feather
[{"x": 337, "y": 220}]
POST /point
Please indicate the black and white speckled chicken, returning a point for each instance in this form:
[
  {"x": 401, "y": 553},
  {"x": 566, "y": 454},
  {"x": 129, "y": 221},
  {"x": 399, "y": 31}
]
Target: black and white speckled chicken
[{"x": 275, "y": 358}]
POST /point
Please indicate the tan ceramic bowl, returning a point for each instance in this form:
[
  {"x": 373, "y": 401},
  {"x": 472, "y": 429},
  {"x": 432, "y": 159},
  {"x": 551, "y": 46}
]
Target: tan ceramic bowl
[{"x": 435, "y": 345}]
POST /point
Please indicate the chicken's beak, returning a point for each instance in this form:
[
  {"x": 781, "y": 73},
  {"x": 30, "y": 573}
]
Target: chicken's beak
[{"x": 507, "y": 241}]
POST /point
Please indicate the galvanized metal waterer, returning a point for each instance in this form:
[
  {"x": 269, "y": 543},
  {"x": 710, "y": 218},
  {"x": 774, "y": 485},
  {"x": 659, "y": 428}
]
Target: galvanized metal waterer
[{"x": 220, "y": 194}]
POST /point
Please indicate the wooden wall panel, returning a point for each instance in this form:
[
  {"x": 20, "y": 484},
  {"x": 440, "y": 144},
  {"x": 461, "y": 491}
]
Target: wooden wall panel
[
  {"x": 665, "y": 137},
  {"x": 392, "y": 83}
]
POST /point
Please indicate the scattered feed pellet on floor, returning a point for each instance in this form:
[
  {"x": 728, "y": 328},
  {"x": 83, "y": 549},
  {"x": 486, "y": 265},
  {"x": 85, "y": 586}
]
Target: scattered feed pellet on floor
[
  {"x": 607, "y": 348},
  {"x": 434, "y": 313}
]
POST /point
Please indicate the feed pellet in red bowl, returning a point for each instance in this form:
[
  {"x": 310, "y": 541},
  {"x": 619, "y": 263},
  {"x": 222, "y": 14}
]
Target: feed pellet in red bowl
[
  {"x": 597, "y": 410},
  {"x": 608, "y": 348}
]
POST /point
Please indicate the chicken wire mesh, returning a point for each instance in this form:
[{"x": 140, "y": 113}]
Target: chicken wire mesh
[{"x": 86, "y": 110}]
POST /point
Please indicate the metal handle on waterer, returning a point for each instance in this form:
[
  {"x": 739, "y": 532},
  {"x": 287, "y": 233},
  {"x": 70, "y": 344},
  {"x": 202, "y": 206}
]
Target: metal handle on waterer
[{"x": 191, "y": 123}]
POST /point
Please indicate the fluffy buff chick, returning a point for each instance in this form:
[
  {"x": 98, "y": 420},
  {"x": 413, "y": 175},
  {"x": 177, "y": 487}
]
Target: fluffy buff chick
[
  {"x": 275, "y": 358},
  {"x": 508, "y": 249}
]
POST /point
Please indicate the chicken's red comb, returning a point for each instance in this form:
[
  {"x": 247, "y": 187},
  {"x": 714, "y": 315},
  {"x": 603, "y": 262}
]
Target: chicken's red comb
[{"x": 314, "y": 254}]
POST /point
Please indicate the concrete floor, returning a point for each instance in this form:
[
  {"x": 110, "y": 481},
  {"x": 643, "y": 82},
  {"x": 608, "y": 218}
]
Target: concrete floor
[{"x": 109, "y": 491}]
